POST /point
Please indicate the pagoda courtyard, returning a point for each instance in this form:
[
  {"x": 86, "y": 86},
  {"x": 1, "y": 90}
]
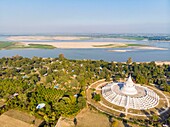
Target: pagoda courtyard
[
  {"x": 130, "y": 95},
  {"x": 128, "y": 98}
]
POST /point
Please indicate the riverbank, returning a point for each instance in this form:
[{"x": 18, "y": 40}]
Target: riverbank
[
  {"x": 157, "y": 62},
  {"x": 162, "y": 62},
  {"x": 90, "y": 45},
  {"x": 79, "y": 45}
]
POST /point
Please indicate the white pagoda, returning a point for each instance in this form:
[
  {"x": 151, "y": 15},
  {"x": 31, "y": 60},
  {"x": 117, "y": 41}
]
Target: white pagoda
[
  {"x": 129, "y": 95},
  {"x": 129, "y": 87}
]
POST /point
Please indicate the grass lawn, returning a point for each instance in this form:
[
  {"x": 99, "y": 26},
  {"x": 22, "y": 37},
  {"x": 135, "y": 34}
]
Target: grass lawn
[
  {"x": 136, "y": 45},
  {"x": 111, "y": 46},
  {"x": 40, "y": 46},
  {"x": 16, "y": 45},
  {"x": 108, "y": 45},
  {"x": 118, "y": 46},
  {"x": 4, "y": 45}
]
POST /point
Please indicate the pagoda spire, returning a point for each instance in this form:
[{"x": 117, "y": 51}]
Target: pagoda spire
[{"x": 129, "y": 81}]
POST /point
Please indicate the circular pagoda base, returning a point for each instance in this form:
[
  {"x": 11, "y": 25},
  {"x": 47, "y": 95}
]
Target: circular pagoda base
[
  {"x": 101, "y": 87},
  {"x": 143, "y": 99}
]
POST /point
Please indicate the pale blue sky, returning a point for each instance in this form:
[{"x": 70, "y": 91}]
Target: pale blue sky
[{"x": 84, "y": 16}]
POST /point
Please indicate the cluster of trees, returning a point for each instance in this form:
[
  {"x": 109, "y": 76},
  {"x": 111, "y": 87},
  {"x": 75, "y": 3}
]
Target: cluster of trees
[
  {"x": 159, "y": 38},
  {"x": 96, "y": 96},
  {"x": 61, "y": 83},
  {"x": 57, "y": 102}
]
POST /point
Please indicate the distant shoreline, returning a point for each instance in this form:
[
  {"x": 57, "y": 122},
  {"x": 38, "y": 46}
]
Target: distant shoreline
[
  {"x": 71, "y": 38},
  {"x": 156, "y": 62},
  {"x": 43, "y": 38},
  {"x": 162, "y": 62}
]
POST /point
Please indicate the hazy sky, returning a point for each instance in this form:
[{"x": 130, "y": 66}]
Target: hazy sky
[{"x": 84, "y": 16}]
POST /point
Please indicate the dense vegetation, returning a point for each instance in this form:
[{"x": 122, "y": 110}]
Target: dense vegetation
[{"x": 61, "y": 83}]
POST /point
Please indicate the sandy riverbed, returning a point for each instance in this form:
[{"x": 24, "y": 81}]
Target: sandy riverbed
[
  {"x": 138, "y": 48},
  {"x": 119, "y": 50},
  {"x": 81, "y": 45},
  {"x": 73, "y": 45},
  {"x": 149, "y": 48}
]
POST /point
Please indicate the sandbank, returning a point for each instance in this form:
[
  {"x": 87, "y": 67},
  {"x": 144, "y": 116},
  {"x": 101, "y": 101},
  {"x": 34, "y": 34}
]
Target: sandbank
[
  {"x": 162, "y": 62},
  {"x": 149, "y": 48},
  {"x": 119, "y": 50},
  {"x": 80, "y": 45}
]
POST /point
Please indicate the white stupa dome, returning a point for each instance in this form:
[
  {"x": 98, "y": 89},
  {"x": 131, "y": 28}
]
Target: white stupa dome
[{"x": 129, "y": 87}]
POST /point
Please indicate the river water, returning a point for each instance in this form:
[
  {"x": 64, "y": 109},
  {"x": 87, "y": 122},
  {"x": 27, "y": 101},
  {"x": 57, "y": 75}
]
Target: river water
[{"x": 97, "y": 54}]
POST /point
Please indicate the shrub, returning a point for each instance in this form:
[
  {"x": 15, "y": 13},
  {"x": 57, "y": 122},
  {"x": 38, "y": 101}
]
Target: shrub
[{"x": 96, "y": 97}]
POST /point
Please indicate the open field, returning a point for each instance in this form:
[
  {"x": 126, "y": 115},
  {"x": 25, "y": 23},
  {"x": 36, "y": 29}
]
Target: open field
[
  {"x": 6, "y": 121},
  {"x": 15, "y": 118},
  {"x": 22, "y": 118},
  {"x": 88, "y": 118}
]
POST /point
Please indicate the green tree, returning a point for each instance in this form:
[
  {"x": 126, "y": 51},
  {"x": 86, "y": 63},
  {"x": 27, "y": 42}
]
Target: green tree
[
  {"x": 141, "y": 79},
  {"x": 61, "y": 57},
  {"x": 43, "y": 71},
  {"x": 97, "y": 97},
  {"x": 129, "y": 61},
  {"x": 49, "y": 79}
]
